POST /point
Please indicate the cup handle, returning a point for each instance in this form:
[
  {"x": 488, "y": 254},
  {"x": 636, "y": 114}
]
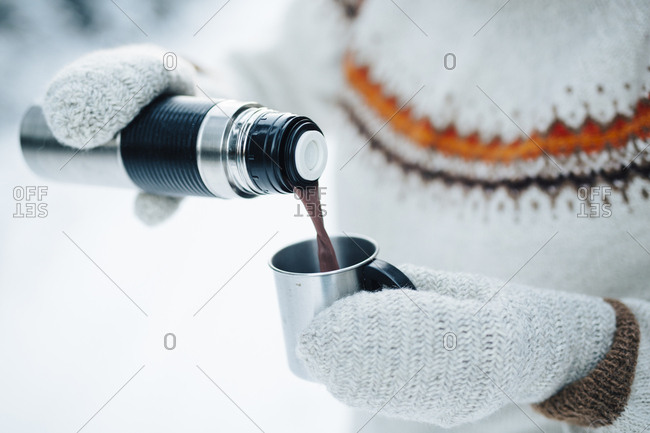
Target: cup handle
[{"x": 380, "y": 273}]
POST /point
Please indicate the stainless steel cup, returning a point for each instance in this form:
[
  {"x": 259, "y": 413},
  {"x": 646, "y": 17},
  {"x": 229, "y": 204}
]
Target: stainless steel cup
[{"x": 304, "y": 291}]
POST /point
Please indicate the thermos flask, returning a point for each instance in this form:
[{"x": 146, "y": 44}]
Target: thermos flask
[{"x": 182, "y": 145}]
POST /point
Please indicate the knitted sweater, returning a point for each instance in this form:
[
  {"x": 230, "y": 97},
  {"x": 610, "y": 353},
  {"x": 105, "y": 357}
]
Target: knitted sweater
[{"x": 512, "y": 146}]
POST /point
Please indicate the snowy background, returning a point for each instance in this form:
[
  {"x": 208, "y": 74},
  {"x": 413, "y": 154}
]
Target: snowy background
[{"x": 69, "y": 338}]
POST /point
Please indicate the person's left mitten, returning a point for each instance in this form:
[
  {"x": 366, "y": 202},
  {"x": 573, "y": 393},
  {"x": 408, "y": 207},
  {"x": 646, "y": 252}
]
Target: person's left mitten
[
  {"x": 461, "y": 347},
  {"x": 93, "y": 98}
]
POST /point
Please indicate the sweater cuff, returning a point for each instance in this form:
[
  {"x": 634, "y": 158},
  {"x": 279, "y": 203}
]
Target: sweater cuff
[{"x": 600, "y": 397}]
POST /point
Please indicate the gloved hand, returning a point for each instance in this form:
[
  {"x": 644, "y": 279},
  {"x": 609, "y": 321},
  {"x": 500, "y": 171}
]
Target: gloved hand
[
  {"x": 92, "y": 99},
  {"x": 462, "y": 346}
]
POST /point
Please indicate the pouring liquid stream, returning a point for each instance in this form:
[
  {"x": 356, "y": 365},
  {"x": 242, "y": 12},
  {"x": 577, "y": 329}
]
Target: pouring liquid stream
[{"x": 310, "y": 198}]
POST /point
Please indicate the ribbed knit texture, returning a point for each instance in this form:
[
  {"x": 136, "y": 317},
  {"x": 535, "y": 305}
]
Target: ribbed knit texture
[
  {"x": 96, "y": 96},
  {"x": 470, "y": 354},
  {"x": 636, "y": 415},
  {"x": 600, "y": 397}
]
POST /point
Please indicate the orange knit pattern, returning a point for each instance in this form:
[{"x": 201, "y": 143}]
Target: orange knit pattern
[{"x": 559, "y": 140}]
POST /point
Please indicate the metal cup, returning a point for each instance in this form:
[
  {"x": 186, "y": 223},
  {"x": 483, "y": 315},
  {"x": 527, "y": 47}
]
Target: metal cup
[{"x": 304, "y": 291}]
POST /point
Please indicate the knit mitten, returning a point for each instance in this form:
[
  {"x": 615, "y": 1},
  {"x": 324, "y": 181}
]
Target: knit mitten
[
  {"x": 93, "y": 98},
  {"x": 461, "y": 346}
]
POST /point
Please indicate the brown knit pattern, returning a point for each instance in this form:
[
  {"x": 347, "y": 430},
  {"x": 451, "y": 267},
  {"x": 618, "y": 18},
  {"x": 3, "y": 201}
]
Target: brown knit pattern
[{"x": 599, "y": 398}]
